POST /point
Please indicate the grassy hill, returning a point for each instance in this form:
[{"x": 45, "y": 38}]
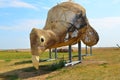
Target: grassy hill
[{"x": 104, "y": 64}]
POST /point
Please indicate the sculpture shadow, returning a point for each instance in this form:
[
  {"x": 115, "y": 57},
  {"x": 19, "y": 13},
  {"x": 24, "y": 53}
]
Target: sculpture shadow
[{"x": 29, "y": 72}]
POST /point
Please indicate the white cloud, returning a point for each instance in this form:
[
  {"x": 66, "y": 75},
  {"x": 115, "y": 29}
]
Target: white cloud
[
  {"x": 22, "y": 40},
  {"x": 97, "y": 23},
  {"x": 16, "y": 4},
  {"x": 107, "y": 22},
  {"x": 108, "y": 30},
  {"x": 46, "y": 8},
  {"x": 115, "y": 1},
  {"x": 107, "y": 25},
  {"x": 25, "y": 25}
]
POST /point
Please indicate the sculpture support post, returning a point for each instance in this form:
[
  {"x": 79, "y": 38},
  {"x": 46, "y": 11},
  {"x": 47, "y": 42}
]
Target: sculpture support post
[
  {"x": 90, "y": 50},
  {"x": 86, "y": 50},
  {"x": 50, "y": 54},
  {"x": 79, "y": 51},
  {"x": 56, "y": 53},
  {"x": 70, "y": 53}
]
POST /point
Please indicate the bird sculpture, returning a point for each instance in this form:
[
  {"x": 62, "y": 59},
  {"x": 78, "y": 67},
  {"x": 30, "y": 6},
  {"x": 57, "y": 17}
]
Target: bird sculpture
[{"x": 66, "y": 24}]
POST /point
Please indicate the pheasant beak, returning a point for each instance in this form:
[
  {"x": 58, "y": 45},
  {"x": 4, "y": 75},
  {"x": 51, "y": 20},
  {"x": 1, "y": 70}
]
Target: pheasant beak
[{"x": 35, "y": 60}]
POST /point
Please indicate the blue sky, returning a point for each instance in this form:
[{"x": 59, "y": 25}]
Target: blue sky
[{"x": 18, "y": 17}]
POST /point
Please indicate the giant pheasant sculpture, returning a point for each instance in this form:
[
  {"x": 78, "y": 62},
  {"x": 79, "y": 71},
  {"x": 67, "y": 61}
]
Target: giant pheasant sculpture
[{"x": 66, "y": 24}]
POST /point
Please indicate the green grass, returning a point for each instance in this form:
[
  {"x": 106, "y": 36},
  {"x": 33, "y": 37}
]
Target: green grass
[
  {"x": 104, "y": 64},
  {"x": 29, "y": 69},
  {"x": 12, "y": 77},
  {"x": 5, "y": 55},
  {"x": 13, "y": 55},
  {"x": 56, "y": 65},
  {"x": 23, "y": 62}
]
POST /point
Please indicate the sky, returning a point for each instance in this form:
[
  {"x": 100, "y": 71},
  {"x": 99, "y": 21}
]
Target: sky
[{"x": 18, "y": 17}]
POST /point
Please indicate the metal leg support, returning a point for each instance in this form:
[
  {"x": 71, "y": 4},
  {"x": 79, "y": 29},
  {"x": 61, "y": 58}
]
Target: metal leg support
[
  {"x": 86, "y": 50},
  {"x": 79, "y": 51},
  {"x": 50, "y": 53},
  {"x": 70, "y": 55},
  {"x": 91, "y": 50},
  {"x": 56, "y": 56}
]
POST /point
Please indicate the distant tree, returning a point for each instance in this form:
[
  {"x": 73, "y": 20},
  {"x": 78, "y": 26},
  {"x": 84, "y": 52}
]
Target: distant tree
[
  {"x": 71, "y": 0},
  {"x": 118, "y": 45}
]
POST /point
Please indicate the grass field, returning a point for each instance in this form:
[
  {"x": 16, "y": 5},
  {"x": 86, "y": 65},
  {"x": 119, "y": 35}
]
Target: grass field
[{"x": 104, "y": 64}]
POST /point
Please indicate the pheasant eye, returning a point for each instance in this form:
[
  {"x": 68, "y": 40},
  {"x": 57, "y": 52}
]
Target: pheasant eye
[{"x": 42, "y": 39}]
